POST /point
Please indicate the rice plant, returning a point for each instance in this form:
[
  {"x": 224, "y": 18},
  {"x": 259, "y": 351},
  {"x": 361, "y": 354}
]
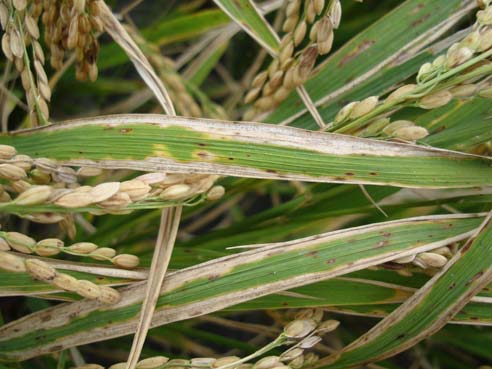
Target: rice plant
[{"x": 239, "y": 184}]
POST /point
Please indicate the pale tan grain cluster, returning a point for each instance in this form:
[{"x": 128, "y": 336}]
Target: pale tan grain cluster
[
  {"x": 153, "y": 362},
  {"x": 475, "y": 43},
  {"x": 308, "y": 28},
  {"x": 31, "y": 182},
  {"x": 68, "y": 25},
  {"x": 20, "y": 44},
  {"x": 118, "y": 197},
  {"x": 434, "y": 259},
  {"x": 43, "y": 181},
  {"x": 404, "y": 130},
  {"x": 356, "y": 109},
  {"x": 301, "y": 334},
  {"x": 46, "y": 273},
  {"x": 53, "y": 246},
  {"x": 478, "y": 41},
  {"x": 73, "y": 25},
  {"x": 183, "y": 186},
  {"x": 371, "y": 113}
]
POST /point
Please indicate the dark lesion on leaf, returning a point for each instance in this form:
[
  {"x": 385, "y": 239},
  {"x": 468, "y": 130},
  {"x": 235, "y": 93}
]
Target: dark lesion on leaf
[
  {"x": 313, "y": 254},
  {"x": 363, "y": 46},
  {"x": 420, "y": 20},
  {"x": 475, "y": 277},
  {"x": 381, "y": 243}
]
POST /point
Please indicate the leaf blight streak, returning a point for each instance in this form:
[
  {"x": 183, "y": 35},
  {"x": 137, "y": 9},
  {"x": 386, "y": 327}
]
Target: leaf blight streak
[{"x": 230, "y": 280}]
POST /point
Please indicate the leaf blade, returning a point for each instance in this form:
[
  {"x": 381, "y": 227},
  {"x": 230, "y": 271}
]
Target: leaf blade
[
  {"x": 426, "y": 311},
  {"x": 249, "y": 18},
  {"x": 155, "y": 142},
  {"x": 233, "y": 279}
]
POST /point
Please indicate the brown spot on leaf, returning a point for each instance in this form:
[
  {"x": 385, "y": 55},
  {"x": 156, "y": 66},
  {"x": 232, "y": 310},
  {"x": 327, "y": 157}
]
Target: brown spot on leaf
[
  {"x": 466, "y": 247},
  {"x": 205, "y": 155},
  {"x": 313, "y": 254},
  {"x": 474, "y": 278},
  {"x": 418, "y": 8},
  {"x": 330, "y": 261},
  {"x": 366, "y": 44},
  {"x": 126, "y": 130},
  {"x": 420, "y": 20},
  {"x": 382, "y": 243}
]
